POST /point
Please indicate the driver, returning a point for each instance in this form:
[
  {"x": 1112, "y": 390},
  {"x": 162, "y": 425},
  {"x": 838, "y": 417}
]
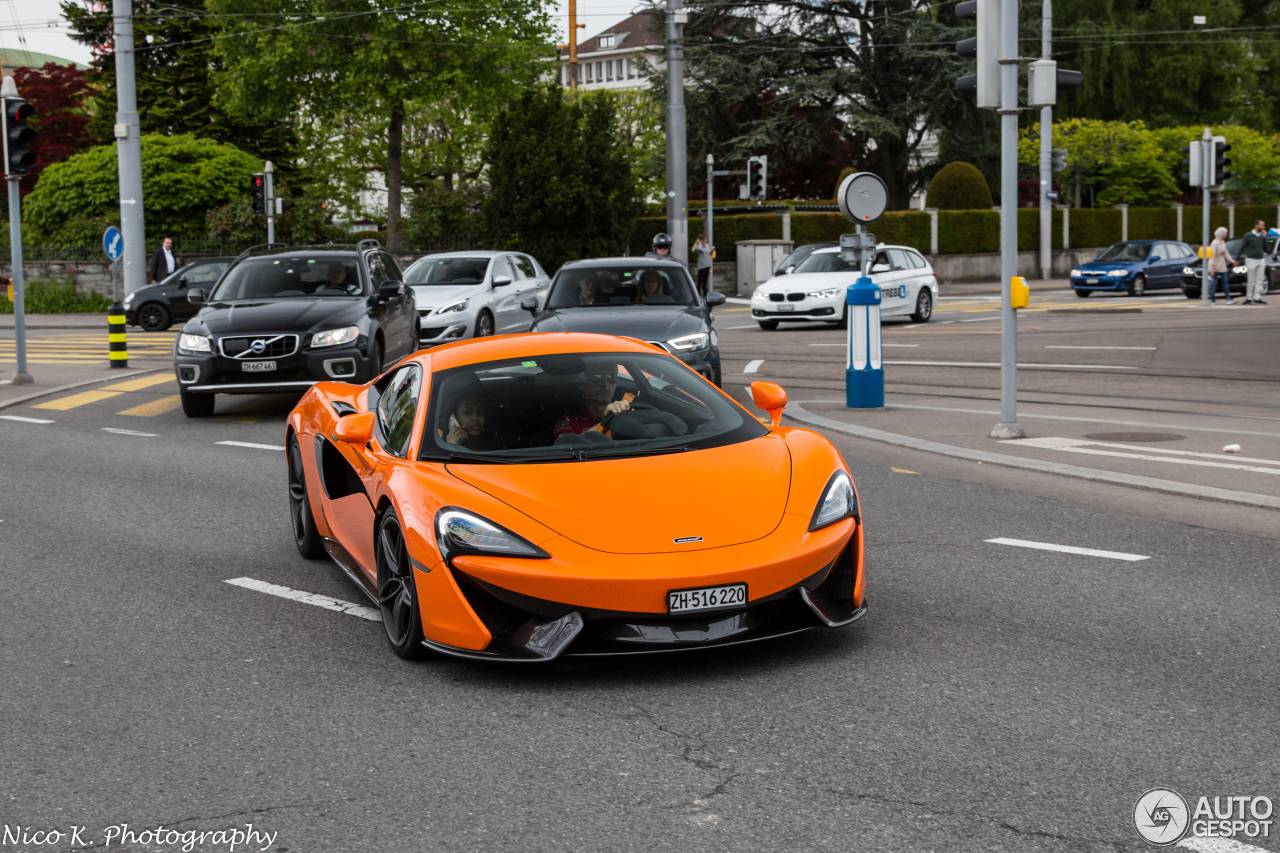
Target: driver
[
  {"x": 588, "y": 289},
  {"x": 338, "y": 277},
  {"x": 598, "y": 384}
]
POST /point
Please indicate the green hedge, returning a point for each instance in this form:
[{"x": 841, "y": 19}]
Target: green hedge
[{"x": 55, "y": 297}]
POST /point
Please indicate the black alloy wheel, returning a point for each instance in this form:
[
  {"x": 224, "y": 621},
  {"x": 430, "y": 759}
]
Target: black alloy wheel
[
  {"x": 154, "y": 317},
  {"x": 1138, "y": 286},
  {"x": 768, "y": 325},
  {"x": 924, "y": 306},
  {"x": 304, "y": 523},
  {"x": 196, "y": 405},
  {"x": 397, "y": 596},
  {"x": 484, "y": 325}
]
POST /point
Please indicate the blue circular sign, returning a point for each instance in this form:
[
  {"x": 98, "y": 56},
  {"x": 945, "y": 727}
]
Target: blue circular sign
[{"x": 113, "y": 242}]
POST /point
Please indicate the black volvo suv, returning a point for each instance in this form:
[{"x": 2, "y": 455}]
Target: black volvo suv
[{"x": 283, "y": 318}]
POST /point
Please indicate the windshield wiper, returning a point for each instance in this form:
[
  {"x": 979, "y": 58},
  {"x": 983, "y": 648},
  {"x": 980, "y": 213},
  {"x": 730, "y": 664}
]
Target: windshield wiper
[
  {"x": 657, "y": 451},
  {"x": 482, "y": 458}
]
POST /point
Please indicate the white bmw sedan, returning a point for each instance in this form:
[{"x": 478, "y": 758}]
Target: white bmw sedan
[{"x": 816, "y": 289}]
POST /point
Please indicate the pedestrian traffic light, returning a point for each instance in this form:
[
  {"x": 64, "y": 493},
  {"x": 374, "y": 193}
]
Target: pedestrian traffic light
[
  {"x": 282, "y": 204},
  {"x": 1058, "y": 163},
  {"x": 757, "y": 177},
  {"x": 18, "y": 156},
  {"x": 1045, "y": 79},
  {"x": 258, "y": 188},
  {"x": 1220, "y": 162},
  {"x": 1193, "y": 163},
  {"x": 985, "y": 47}
]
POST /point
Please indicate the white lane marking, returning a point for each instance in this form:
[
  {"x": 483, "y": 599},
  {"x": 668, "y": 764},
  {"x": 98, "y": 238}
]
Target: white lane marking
[
  {"x": 250, "y": 444},
  {"x": 1147, "y": 457},
  {"x": 1218, "y": 845},
  {"x": 883, "y": 344},
  {"x": 1052, "y": 346},
  {"x": 23, "y": 420},
  {"x": 1069, "y": 549},
  {"x": 1021, "y": 365},
  {"x": 130, "y": 432},
  {"x": 1232, "y": 431},
  {"x": 748, "y": 326},
  {"x": 324, "y": 601},
  {"x": 753, "y": 366},
  {"x": 1083, "y": 442}
]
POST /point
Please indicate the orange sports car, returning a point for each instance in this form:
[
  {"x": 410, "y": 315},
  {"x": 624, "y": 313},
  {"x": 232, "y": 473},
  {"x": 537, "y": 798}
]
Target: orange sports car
[{"x": 525, "y": 497}]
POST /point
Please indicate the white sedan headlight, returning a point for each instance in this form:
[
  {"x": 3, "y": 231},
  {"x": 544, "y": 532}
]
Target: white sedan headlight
[
  {"x": 1075, "y": 273},
  {"x": 194, "y": 343},
  {"x": 1117, "y": 273},
  {"x": 334, "y": 337},
  {"x": 689, "y": 342},
  {"x": 826, "y": 294},
  {"x": 758, "y": 296},
  {"x": 461, "y": 531},
  {"x": 460, "y": 305},
  {"x": 838, "y": 502}
]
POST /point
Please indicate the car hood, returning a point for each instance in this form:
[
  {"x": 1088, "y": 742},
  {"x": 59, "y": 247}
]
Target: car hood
[
  {"x": 280, "y": 315},
  {"x": 804, "y": 282},
  {"x": 641, "y": 505},
  {"x": 437, "y": 295},
  {"x": 646, "y": 322}
]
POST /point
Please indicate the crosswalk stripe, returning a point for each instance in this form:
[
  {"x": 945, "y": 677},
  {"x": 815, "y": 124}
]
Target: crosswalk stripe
[
  {"x": 140, "y": 383},
  {"x": 155, "y": 407},
  {"x": 84, "y": 398}
]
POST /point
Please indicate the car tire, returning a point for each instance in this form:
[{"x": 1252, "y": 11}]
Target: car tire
[
  {"x": 154, "y": 317},
  {"x": 305, "y": 536},
  {"x": 484, "y": 325},
  {"x": 375, "y": 366},
  {"x": 843, "y": 322},
  {"x": 197, "y": 405},
  {"x": 1138, "y": 287},
  {"x": 924, "y": 306},
  {"x": 1191, "y": 294},
  {"x": 1083, "y": 294},
  {"x": 397, "y": 593},
  {"x": 768, "y": 325},
  {"x": 716, "y": 378}
]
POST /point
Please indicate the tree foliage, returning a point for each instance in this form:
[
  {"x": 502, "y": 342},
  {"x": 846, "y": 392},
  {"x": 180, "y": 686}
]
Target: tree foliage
[
  {"x": 560, "y": 184},
  {"x": 959, "y": 186}
]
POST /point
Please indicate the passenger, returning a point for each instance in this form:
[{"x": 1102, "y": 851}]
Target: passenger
[
  {"x": 466, "y": 424},
  {"x": 597, "y": 394},
  {"x": 650, "y": 286},
  {"x": 588, "y": 290}
]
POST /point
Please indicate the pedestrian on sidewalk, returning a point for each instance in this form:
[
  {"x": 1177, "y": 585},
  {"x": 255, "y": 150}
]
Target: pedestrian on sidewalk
[
  {"x": 163, "y": 263},
  {"x": 705, "y": 254},
  {"x": 1254, "y": 250},
  {"x": 1220, "y": 267}
]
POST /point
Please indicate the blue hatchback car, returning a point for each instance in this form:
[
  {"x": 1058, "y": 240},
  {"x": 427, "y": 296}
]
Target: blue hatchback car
[{"x": 1134, "y": 266}]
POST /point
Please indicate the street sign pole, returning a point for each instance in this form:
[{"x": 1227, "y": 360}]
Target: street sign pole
[
  {"x": 1206, "y": 155},
  {"x": 711, "y": 229},
  {"x": 21, "y": 377},
  {"x": 117, "y": 339},
  {"x": 269, "y": 171},
  {"x": 129, "y": 149},
  {"x": 1046, "y": 152},
  {"x": 677, "y": 183},
  {"x": 862, "y": 198},
  {"x": 1008, "y": 426}
]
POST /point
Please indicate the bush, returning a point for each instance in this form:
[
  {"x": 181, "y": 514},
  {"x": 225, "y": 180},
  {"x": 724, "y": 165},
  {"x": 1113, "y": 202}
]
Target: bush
[
  {"x": 959, "y": 186},
  {"x": 1153, "y": 223},
  {"x": 963, "y": 231},
  {"x": 1094, "y": 227},
  {"x": 55, "y": 297}
]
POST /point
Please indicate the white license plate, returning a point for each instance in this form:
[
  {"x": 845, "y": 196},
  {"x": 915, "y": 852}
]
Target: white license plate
[
  {"x": 1090, "y": 281},
  {"x": 786, "y": 306},
  {"x": 707, "y": 598},
  {"x": 257, "y": 366}
]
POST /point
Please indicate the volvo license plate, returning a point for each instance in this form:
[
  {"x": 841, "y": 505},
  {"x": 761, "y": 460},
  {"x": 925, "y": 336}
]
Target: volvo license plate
[
  {"x": 707, "y": 598},
  {"x": 257, "y": 366}
]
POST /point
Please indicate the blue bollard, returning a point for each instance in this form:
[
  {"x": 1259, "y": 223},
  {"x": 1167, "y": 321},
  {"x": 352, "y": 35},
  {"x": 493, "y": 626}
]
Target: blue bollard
[{"x": 864, "y": 371}]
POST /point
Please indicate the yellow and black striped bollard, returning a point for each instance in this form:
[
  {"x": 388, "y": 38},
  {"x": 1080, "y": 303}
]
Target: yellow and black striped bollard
[{"x": 117, "y": 345}]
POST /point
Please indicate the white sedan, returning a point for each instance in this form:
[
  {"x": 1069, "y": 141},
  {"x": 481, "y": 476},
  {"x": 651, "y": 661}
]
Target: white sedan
[{"x": 816, "y": 289}]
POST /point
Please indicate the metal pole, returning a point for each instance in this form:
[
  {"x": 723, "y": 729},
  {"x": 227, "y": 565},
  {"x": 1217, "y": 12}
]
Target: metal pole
[
  {"x": 129, "y": 150},
  {"x": 21, "y": 377},
  {"x": 1206, "y": 164},
  {"x": 573, "y": 44},
  {"x": 1008, "y": 426},
  {"x": 677, "y": 185},
  {"x": 269, "y": 170},
  {"x": 711, "y": 227},
  {"x": 1046, "y": 151}
]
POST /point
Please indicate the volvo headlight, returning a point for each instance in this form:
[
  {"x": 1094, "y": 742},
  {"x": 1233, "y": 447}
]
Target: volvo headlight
[
  {"x": 689, "y": 342},
  {"x": 334, "y": 337},
  {"x": 1075, "y": 273},
  {"x": 1240, "y": 270},
  {"x": 838, "y": 502},
  {"x": 460, "y": 305},
  {"x": 459, "y": 531},
  {"x": 194, "y": 343},
  {"x": 1188, "y": 271},
  {"x": 1117, "y": 273},
  {"x": 826, "y": 294}
]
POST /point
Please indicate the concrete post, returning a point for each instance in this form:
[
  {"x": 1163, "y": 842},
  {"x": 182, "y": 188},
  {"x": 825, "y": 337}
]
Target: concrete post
[
  {"x": 129, "y": 150},
  {"x": 786, "y": 224},
  {"x": 677, "y": 186},
  {"x": 1231, "y": 220},
  {"x": 933, "y": 230},
  {"x": 1177, "y": 206},
  {"x": 1008, "y": 427},
  {"x": 1124, "y": 221},
  {"x": 1066, "y": 227}
]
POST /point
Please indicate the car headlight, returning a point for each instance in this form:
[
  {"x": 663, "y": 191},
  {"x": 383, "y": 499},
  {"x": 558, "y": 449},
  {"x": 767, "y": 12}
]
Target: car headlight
[
  {"x": 1117, "y": 273},
  {"x": 758, "y": 296},
  {"x": 333, "y": 337},
  {"x": 838, "y": 502},
  {"x": 1075, "y": 273},
  {"x": 689, "y": 342},
  {"x": 1188, "y": 271},
  {"x": 1240, "y": 270},
  {"x": 194, "y": 343},
  {"x": 462, "y": 532},
  {"x": 460, "y": 305},
  {"x": 128, "y": 300},
  {"x": 826, "y": 294}
]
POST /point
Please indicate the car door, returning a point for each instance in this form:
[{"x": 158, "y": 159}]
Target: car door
[
  {"x": 1166, "y": 271},
  {"x": 529, "y": 270},
  {"x": 382, "y": 312},
  {"x": 508, "y": 317},
  {"x": 895, "y": 290},
  {"x": 403, "y": 311}
]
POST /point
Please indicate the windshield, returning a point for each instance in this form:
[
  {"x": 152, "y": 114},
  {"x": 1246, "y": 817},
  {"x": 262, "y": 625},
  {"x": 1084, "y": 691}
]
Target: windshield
[
  {"x": 567, "y": 407},
  {"x": 826, "y": 262},
  {"x": 284, "y": 277},
  {"x": 588, "y": 287},
  {"x": 447, "y": 271},
  {"x": 1125, "y": 252}
]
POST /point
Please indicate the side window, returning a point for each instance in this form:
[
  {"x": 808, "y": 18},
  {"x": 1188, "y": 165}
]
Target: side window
[
  {"x": 397, "y": 408},
  {"x": 390, "y": 268},
  {"x": 502, "y": 267},
  {"x": 898, "y": 259},
  {"x": 916, "y": 260},
  {"x": 377, "y": 275},
  {"x": 207, "y": 273},
  {"x": 525, "y": 266}
]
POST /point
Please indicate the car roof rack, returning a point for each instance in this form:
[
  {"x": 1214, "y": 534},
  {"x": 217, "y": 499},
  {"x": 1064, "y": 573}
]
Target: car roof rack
[
  {"x": 372, "y": 243},
  {"x": 252, "y": 249}
]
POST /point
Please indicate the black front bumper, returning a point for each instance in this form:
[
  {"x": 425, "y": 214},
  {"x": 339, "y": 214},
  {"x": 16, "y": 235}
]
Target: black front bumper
[{"x": 205, "y": 373}]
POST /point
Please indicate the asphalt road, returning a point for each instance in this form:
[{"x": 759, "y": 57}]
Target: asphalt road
[{"x": 995, "y": 698}]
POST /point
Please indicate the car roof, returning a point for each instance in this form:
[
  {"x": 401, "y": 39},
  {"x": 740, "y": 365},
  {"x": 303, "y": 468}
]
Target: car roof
[
  {"x": 879, "y": 246},
  {"x": 658, "y": 263},
  {"x": 478, "y": 253}
]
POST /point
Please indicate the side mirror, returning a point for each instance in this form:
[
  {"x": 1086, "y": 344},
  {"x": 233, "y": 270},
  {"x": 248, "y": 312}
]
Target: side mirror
[
  {"x": 195, "y": 296},
  {"x": 389, "y": 290},
  {"x": 715, "y": 298},
  {"x": 875, "y": 268},
  {"x": 502, "y": 281},
  {"x": 1155, "y": 258},
  {"x": 530, "y": 304},
  {"x": 354, "y": 429},
  {"x": 770, "y": 397},
  {"x": 791, "y": 269}
]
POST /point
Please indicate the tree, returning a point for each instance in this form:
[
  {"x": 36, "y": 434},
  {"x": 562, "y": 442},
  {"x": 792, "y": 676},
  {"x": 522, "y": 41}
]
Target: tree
[
  {"x": 560, "y": 183},
  {"x": 182, "y": 178},
  {"x": 57, "y": 94},
  {"x": 357, "y": 71}
]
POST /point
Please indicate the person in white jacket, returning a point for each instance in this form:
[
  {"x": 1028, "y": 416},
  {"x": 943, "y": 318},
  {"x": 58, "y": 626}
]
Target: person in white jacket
[{"x": 1220, "y": 267}]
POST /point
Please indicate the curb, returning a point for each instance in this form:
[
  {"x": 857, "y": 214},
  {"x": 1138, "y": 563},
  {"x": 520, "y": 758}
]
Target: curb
[
  {"x": 799, "y": 413},
  {"x": 18, "y": 401}
]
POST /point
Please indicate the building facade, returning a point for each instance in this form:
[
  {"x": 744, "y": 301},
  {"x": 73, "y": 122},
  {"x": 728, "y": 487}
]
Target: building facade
[{"x": 612, "y": 59}]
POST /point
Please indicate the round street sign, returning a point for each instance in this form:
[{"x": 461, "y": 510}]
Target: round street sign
[
  {"x": 113, "y": 243},
  {"x": 862, "y": 197}
]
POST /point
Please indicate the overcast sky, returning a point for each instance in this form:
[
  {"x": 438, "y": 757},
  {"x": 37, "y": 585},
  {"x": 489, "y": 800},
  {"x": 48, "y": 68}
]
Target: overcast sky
[{"x": 38, "y": 25}]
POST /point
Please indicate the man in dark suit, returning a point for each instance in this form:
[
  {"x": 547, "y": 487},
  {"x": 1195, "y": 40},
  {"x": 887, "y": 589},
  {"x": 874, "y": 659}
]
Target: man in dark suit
[{"x": 163, "y": 263}]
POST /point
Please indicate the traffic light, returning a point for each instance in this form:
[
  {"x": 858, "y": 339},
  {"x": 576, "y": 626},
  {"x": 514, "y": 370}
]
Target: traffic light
[
  {"x": 757, "y": 177},
  {"x": 18, "y": 156},
  {"x": 282, "y": 204},
  {"x": 1045, "y": 79},
  {"x": 985, "y": 47},
  {"x": 1220, "y": 162},
  {"x": 258, "y": 187},
  {"x": 1059, "y": 161},
  {"x": 1193, "y": 163}
]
